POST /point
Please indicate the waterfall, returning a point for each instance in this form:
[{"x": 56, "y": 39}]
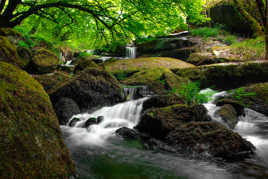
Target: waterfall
[
  {"x": 125, "y": 114},
  {"x": 135, "y": 92},
  {"x": 131, "y": 52}
]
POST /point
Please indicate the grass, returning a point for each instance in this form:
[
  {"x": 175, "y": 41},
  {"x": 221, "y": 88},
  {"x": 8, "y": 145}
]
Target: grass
[
  {"x": 206, "y": 32},
  {"x": 249, "y": 49}
]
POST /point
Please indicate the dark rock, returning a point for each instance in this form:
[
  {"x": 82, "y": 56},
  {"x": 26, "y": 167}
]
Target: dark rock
[
  {"x": 158, "y": 122},
  {"x": 92, "y": 88},
  {"x": 83, "y": 63},
  {"x": 228, "y": 114},
  {"x": 222, "y": 13},
  {"x": 127, "y": 133},
  {"x": 161, "y": 101},
  {"x": 89, "y": 122},
  {"x": 211, "y": 138},
  {"x": 182, "y": 54},
  {"x": 65, "y": 108},
  {"x": 73, "y": 121},
  {"x": 239, "y": 108},
  {"x": 100, "y": 119}
]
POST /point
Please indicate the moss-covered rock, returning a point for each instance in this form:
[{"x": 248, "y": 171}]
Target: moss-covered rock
[
  {"x": 8, "y": 53},
  {"x": 206, "y": 58},
  {"x": 139, "y": 64},
  {"x": 238, "y": 17},
  {"x": 227, "y": 76},
  {"x": 92, "y": 88},
  {"x": 53, "y": 81},
  {"x": 43, "y": 61},
  {"x": 31, "y": 144},
  {"x": 158, "y": 80},
  {"x": 84, "y": 63},
  {"x": 210, "y": 138},
  {"x": 158, "y": 122},
  {"x": 228, "y": 114}
]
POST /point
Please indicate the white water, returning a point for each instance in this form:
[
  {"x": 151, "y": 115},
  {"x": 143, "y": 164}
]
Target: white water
[
  {"x": 253, "y": 126},
  {"x": 131, "y": 52},
  {"x": 125, "y": 114}
]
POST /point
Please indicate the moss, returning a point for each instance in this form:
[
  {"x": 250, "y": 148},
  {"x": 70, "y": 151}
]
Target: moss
[
  {"x": 44, "y": 61},
  {"x": 53, "y": 81},
  {"x": 146, "y": 63},
  {"x": 8, "y": 53},
  {"x": 29, "y": 128},
  {"x": 159, "y": 80},
  {"x": 227, "y": 76},
  {"x": 84, "y": 63}
]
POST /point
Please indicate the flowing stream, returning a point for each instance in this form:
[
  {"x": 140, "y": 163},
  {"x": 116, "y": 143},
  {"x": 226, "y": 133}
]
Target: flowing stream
[{"x": 99, "y": 153}]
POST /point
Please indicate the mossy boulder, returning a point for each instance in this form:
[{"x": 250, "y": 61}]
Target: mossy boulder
[
  {"x": 8, "y": 53},
  {"x": 139, "y": 64},
  {"x": 226, "y": 76},
  {"x": 228, "y": 114},
  {"x": 84, "y": 63},
  {"x": 31, "y": 144},
  {"x": 210, "y": 138},
  {"x": 91, "y": 89},
  {"x": 238, "y": 18},
  {"x": 205, "y": 58},
  {"x": 159, "y": 80},
  {"x": 53, "y": 81},
  {"x": 43, "y": 61},
  {"x": 158, "y": 122}
]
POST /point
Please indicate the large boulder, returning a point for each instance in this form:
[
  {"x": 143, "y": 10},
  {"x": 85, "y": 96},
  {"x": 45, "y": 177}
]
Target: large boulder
[
  {"x": 83, "y": 63},
  {"x": 209, "y": 138},
  {"x": 238, "y": 17},
  {"x": 158, "y": 122},
  {"x": 31, "y": 144},
  {"x": 92, "y": 88},
  {"x": 43, "y": 61}
]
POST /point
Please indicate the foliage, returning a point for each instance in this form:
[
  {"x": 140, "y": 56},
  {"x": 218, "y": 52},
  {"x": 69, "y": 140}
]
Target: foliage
[
  {"x": 206, "y": 32},
  {"x": 239, "y": 93},
  {"x": 190, "y": 91},
  {"x": 89, "y": 24}
]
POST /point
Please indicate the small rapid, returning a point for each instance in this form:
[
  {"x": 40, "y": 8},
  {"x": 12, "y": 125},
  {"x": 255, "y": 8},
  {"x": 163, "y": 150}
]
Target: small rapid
[{"x": 125, "y": 114}]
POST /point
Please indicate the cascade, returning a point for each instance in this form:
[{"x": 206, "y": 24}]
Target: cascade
[
  {"x": 131, "y": 52},
  {"x": 125, "y": 114}
]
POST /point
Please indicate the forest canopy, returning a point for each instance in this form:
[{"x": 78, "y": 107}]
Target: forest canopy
[{"x": 96, "y": 23}]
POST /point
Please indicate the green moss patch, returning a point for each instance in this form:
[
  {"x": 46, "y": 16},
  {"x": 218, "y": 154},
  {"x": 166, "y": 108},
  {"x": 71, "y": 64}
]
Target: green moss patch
[{"x": 31, "y": 144}]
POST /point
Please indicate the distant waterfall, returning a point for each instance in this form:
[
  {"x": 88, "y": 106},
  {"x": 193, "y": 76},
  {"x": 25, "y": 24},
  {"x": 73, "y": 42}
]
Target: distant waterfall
[{"x": 131, "y": 52}]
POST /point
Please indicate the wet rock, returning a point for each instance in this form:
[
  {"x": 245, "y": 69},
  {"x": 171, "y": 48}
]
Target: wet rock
[
  {"x": 65, "y": 108},
  {"x": 158, "y": 122},
  {"x": 100, "y": 119},
  {"x": 210, "y": 138},
  {"x": 161, "y": 101},
  {"x": 239, "y": 108},
  {"x": 228, "y": 114},
  {"x": 89, "y": 122},
  {"x": 73, "y": 121},
  {"x": 127, "y": 133},
  {"x": 92, "y": 88}
]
